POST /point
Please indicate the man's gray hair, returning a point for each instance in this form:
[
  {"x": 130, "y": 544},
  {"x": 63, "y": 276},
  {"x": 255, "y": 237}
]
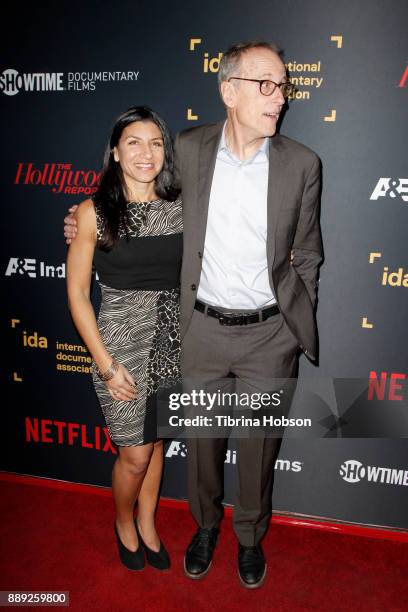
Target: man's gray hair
[{"x": 231, "y": 59}]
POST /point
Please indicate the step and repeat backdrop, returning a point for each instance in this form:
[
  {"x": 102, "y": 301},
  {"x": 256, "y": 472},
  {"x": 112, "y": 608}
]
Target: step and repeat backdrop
[{"x": 67, "y": 71}]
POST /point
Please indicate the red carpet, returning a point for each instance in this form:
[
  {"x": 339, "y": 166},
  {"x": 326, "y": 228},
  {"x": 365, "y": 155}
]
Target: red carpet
[{"x": 63, "y": 540}]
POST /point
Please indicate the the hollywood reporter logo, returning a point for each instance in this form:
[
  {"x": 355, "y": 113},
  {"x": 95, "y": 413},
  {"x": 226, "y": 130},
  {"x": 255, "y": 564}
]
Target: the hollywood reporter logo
[
  {"x": 391, "y": 188},
  {"x": 61, "y": 177}
]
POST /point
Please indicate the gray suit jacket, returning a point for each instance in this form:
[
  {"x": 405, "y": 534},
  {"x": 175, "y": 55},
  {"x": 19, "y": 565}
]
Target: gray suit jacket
[{"x": 293, "y": 224}]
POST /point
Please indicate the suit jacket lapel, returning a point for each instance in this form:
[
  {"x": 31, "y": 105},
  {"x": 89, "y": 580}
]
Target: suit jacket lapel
[
  {"x": 276, "y": 182},
  {"x": 207, "y": 158}
]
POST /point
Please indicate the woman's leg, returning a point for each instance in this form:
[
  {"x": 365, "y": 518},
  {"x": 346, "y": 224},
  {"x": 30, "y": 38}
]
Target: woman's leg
[
  {"x": 147, "y": 500},
  {"x": 127, "y": 477}
]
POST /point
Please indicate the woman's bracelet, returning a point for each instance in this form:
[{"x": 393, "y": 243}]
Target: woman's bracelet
[{"x": 110, "y": 372}]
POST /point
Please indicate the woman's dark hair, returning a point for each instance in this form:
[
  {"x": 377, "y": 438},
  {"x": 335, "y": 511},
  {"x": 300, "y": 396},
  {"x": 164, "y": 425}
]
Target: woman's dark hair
[{"x": 110, "y": 197}]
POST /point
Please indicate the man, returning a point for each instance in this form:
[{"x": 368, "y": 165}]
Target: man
[{"x": 252, "y": 248}]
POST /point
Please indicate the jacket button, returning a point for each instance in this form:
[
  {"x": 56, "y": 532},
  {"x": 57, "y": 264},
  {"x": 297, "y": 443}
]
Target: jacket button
[
  {"x": 193, "y": 287},
  {"x": 200, "y": 254}
]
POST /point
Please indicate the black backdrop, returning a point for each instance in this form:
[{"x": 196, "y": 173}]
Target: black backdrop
[{"x": 66, "y": 71}]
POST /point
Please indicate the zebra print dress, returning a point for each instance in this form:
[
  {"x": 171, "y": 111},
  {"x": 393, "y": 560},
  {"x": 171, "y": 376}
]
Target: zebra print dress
[{"x": 139, "y": 315}]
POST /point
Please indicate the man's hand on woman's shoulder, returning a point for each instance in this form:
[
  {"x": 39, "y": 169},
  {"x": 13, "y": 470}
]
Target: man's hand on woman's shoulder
[{"x": 70, "y": 225}]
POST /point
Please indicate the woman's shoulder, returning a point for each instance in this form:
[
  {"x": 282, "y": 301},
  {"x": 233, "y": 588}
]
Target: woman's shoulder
[
  {"x": 86, "y": 207},
  {"x": 85, "y": 213}
]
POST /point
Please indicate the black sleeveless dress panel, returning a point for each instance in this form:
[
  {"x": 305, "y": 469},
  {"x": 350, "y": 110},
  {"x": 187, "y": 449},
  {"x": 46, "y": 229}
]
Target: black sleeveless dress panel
[{"x": 139, "y": 316}]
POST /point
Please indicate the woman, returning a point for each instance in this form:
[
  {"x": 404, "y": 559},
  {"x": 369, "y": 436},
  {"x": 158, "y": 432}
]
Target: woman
[{"x": 131, "y": 231}]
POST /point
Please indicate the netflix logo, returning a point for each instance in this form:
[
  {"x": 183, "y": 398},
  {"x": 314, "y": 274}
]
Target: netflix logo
[
  {"x": 404, "y": 78},
  {"x": 52, "y": 431},
  {"x": 386, "y": 386}
]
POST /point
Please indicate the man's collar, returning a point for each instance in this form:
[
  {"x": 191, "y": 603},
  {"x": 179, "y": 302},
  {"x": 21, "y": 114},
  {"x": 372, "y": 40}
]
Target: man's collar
[{"x": 264, "y": 148}]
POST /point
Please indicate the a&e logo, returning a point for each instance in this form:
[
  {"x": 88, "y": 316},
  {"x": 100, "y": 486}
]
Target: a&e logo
[
  {"x": 392, "y": 188},
  {"x": 18, "y": 265}
]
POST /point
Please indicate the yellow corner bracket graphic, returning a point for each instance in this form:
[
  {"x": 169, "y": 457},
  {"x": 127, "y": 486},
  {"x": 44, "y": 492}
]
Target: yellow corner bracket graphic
[
  {"x": 366, "y": 325},
  {"x": 190, "y": 115},
  {"x": 14, "y": 322},
  {"x": 332, "y": 116},
  {"x": 337, "y": 39},
  {"x": 194, "y": 42},
  {"x": 16, "y": 378},
  {"x": 373, "y": 257}
]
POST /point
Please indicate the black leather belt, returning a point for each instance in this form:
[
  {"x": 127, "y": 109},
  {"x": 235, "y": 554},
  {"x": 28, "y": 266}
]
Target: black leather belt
[{"x": 225, "y": 318}]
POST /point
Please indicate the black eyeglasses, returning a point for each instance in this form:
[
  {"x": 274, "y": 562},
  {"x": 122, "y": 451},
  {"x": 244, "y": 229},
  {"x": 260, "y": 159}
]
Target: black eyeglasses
[{"x": 267, "y": 87}]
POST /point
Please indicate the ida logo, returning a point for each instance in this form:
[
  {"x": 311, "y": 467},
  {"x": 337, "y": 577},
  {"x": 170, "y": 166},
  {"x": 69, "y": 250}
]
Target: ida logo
[
  {"x": 391, "y": 188},
  {"x": 34, "y": 340}
]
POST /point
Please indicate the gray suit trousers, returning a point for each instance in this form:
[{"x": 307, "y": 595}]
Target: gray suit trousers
[{"x": 254, "y": 353}]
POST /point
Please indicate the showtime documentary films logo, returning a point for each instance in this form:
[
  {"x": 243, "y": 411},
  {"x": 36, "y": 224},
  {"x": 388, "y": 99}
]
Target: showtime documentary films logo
[
  {"x": 12, "y": 82},
  {"x": 60, "y": 177},
  {"x": 353, "y": 471}
]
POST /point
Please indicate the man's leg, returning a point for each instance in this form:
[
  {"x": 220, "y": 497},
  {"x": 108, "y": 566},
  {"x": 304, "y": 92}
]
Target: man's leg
[
  {"x": 267, "y": 361},
  {"x": 205, "y": 365},
  {"x": 253, "y": 508}
]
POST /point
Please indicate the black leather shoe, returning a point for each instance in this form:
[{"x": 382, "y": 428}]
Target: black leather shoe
[
  {"x": 133, "y": 560},
  {"x": 251, "y": 566},
  {"x": 160, "y": 560},
  {"x": 198, "y": 557}
]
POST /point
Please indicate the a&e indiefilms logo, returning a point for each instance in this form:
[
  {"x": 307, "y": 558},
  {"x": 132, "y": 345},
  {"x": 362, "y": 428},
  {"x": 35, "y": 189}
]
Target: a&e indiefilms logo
[
  {"x": 34, "y": 268},
  {"x": 12, "y": 82}
]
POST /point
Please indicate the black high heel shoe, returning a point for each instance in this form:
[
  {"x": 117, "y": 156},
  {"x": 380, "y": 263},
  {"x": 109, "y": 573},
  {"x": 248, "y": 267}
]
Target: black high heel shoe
[
  {"x": 133, "y": 560},
  {"x": 160, "y": 560}
]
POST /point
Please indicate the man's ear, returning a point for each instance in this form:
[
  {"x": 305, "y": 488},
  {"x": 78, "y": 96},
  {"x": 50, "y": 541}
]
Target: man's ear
[{"x": 228, "y": 94}]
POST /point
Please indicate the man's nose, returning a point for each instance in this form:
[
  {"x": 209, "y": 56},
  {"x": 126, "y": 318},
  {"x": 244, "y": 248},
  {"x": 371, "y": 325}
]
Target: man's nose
[{"x": 279, "y": 95}]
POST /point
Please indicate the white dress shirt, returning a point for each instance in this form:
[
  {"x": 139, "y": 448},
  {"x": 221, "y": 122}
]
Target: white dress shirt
[{"x": 234, "y": 267}]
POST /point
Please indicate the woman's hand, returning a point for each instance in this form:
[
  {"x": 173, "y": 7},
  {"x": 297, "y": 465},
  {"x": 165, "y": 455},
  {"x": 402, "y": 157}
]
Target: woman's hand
[{"x": 122, "y": 386}]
